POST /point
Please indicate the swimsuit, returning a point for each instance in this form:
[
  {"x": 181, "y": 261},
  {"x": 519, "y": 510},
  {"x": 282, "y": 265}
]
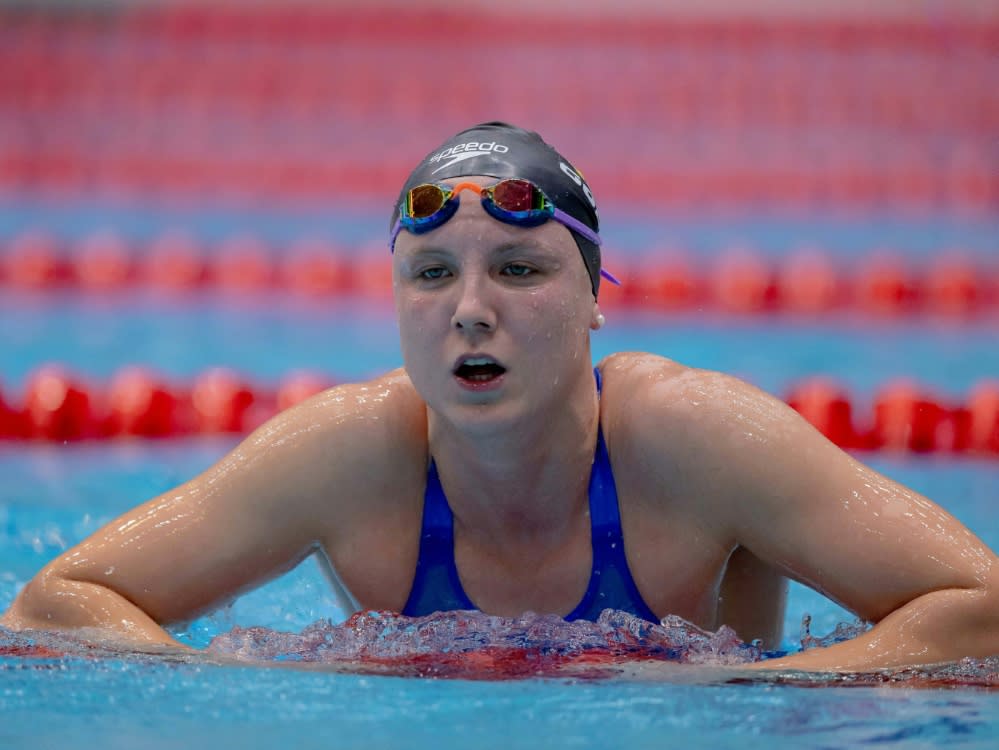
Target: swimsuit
[{"x": 437, "y": 587}]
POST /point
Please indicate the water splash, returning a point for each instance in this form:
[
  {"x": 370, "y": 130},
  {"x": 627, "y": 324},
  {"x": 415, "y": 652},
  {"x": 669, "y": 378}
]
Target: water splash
[
  {"x": 472, "y": 644},
  {"x": 843, "y": 631}
]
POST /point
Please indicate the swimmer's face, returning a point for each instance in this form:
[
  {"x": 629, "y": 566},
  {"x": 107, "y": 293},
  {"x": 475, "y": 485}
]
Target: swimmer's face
[{"x": 491, "y": 313}]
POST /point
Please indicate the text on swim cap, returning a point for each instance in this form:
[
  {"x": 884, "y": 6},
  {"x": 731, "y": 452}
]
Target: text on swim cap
[
  {"x": 574, "y": 176},
  {"x": 464, "y": 151},
  {"x": 481, "y": 148}
]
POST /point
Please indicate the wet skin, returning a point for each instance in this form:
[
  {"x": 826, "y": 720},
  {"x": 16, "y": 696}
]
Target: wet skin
[{"x": 722, "y": 487}]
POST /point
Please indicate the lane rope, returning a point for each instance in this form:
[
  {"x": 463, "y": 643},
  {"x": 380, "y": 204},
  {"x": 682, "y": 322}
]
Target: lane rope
[
  {"x": 737, "y": 280},
  {"x": 59, "y": 405}
]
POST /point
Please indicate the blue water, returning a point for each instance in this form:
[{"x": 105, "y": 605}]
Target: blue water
[{"x": 166, "y": 706}]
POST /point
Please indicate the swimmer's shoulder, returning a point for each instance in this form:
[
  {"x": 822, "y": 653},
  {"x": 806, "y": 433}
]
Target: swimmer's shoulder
[
  {"x": 367, "y": 437},
  {"x": 681, "y": 420},
  {"x": 639, "y": 383},
  {"x": 699, "y": 440},
  {"x": 384, "y": 404},
  {"x": 642, "y": 389}
]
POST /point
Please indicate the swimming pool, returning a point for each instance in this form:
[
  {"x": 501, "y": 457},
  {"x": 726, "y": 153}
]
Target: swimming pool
[
  {"x": 55, "y": 494},
  {"x": 270, "y": 119}
]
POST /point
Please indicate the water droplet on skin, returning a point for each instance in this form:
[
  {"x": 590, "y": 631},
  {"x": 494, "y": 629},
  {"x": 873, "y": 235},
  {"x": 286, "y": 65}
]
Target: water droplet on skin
[{"x": 109, "y": 571}]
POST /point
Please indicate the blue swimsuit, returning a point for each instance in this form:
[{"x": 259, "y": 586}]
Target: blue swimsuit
[{"x": 437, "y": 587}]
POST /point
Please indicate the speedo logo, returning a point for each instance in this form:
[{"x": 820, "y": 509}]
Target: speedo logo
[
  {"x": 576, "y": 177},
  {"x": 466, "y": 151}
]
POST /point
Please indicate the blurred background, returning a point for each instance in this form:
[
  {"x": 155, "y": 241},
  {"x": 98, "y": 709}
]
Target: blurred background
[{"x": 861, "y": 125}]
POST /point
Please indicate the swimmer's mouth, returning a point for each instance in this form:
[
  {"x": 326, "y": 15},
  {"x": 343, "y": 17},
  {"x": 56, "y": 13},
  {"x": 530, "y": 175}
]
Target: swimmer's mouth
[{"x": 478, "y": 369}]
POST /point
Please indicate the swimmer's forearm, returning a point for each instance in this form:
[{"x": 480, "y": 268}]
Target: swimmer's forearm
[
  {"x": 52, "y": 603},
  {"x": 941, "y": 626}
]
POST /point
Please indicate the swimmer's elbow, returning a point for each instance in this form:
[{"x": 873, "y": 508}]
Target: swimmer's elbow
[
  {"x": 976, "y": 622},
  {"x": 990, "y": 597},
  {"x": 983, "y": 594},
  {"x": 956, "y": 623},
  {"x": 28, "y": 609},
  {"x": 53, "y": 602},
  {"x": 42, "y": 604}
]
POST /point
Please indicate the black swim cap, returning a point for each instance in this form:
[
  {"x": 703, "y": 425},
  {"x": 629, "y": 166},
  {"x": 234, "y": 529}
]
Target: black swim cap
[{"x": 497, "y": 149}]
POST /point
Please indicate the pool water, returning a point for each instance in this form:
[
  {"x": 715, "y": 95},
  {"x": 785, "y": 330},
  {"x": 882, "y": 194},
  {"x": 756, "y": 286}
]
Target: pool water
[
  {"x": 54, "y": 495},
  {"x": 283, "y": 124}
]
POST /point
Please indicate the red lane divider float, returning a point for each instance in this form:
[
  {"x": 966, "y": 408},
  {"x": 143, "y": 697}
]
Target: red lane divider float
[
  {"x": 58, "y": 405},
  {"x": 905, "y": 418},
  {"x": 739, "y": 280}
]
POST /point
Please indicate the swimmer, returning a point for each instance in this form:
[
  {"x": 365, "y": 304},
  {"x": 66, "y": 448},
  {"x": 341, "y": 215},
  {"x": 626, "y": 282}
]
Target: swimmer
[{"x": 499, "y": 470}]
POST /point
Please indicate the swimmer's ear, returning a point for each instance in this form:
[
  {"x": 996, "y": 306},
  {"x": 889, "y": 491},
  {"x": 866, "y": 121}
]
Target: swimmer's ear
[{"x": 598, "y": 319}]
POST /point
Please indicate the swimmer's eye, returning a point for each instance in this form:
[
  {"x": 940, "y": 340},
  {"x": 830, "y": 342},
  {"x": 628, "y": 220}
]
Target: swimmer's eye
[
  {"x": 519, "y": 270},
  {"x": 434, "y": 273}
]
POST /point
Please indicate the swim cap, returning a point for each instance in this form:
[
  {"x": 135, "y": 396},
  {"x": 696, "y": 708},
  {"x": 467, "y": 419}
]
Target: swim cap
[{"x": 497, "y": 149}]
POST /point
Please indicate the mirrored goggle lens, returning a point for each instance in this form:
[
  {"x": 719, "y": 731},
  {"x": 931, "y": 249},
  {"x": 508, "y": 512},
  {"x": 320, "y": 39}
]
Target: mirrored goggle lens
[
  {"x": 426, "y": 200},
  {"x": 517, "y": 196}
]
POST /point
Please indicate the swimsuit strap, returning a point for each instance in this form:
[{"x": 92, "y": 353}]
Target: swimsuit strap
[
  {"x": 611, "y": 584},
  {"x": 436, "y": 585}
]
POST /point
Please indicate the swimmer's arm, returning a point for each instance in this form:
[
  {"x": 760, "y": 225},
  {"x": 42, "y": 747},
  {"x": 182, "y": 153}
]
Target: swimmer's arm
[
  {"x": 253, "y": 515},
  {"x": 940, "y": 626},
  {"x": 896, "y": 560},
  {"x": 878, "y": 548},
  {"x": 772, "y": 483},
  {"x": 180, "y": 554}
]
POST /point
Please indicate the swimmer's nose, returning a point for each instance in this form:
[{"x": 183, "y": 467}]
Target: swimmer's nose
[{"x": 473, "y": 312}]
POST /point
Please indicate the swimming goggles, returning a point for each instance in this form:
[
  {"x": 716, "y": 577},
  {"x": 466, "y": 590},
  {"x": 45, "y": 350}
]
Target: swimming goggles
[{"x": 512, "y": 201}]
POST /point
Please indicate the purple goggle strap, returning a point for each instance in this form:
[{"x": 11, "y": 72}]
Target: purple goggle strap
[{"x": 577, "y": 226}]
